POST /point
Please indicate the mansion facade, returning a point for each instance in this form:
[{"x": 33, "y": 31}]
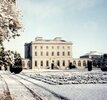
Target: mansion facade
[{"x": 44, "y": 53}]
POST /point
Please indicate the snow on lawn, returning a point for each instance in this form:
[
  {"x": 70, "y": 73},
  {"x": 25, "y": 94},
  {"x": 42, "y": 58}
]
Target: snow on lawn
[
  {"x": 70, "y": 83},
  {"x": 69, "y": 77}
]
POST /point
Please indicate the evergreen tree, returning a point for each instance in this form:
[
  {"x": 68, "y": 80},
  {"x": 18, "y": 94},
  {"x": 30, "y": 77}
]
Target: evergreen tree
[
  {"x": 17, "y": 66},
  {"x": 89, "y": 65},
  {"x": 9, "y": 27}
]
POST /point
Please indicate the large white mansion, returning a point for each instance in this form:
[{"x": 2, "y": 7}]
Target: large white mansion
[{"x": 43, "y": 53}]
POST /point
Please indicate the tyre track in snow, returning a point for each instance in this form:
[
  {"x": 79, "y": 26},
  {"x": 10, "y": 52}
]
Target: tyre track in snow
[
  {"x": 30, "y": 90},
  {"x": 6, "y": 91},
  {"x": 40, "y": 92},
  {"x": 18, "y": 91},
  {"x": 58, "y": 96}
]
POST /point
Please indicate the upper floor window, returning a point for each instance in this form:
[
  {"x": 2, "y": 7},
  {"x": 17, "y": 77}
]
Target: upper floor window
[
  {"x": 52, "y": 53},
  {"x": 52, "y": 47},
  {"x": 63, "y": 47},
  {"x": 41, "y": 47},
  {"x": 35, "y": 53},
  {"x": 58, "y": 53},
  {"x": 68, "y": 53},
  {"x": 35, "y": 47},
  {"x": 63, "y": 53},
  {"x": 68, "y": 47},
  {"x": 57, "y": 47},
  {"x": 47, "y": 53},
  {"x": 47, "y": 47}
]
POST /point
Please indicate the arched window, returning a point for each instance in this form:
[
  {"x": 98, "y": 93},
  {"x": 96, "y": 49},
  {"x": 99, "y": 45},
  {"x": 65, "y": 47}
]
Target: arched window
[
  {"x": 84, "y": 63},
  {"x": 79, "y": 63},
  {"x": 74, "y": 62}
]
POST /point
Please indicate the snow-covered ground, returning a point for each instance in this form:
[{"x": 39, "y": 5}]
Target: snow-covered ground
[
  {"x": 70, "y": 83},
  {"x": 57, "y": 84}
]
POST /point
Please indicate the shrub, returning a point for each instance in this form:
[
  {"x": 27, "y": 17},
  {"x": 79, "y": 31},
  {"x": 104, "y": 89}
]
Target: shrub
[
  {"x": 89, "y": 65},
  {"x": 17, "y": 67}
]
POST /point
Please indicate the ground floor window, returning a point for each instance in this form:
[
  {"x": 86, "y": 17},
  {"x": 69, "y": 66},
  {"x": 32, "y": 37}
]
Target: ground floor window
[
  {"x": 63, "y": 63},
  {"x": 58, "y": 63},
  {"x": 35, "y": 63},
  {"x": 79, "y": 63},
  {"x": 41, "y": 63},
  {"x": 47, "y": 63},
  {"x": 74, "y": 62},
  {"x": 84, "y": 63}
]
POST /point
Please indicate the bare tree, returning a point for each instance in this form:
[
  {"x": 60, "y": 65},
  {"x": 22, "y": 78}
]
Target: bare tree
[{"x": 9, "y": 20}]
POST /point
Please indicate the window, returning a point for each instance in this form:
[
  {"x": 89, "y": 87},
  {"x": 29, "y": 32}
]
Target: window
[
  {"x": 46, "y": 47},
  {"x": 47, "y": 63},
  {"x": 74, "y": 62},
  {"x": 47, "y": 53},
  {"x": 41, "y": 47},
  {"x": 68, "y": 53},
  {"x": 35, "y": 47},
  {"x": 52, "y": 47},
  {"x": 57, "y": 47},
  {"x": 52, "y": 53},
  {"x": 41, "y": 63},
  {"x": 36, "y": 63},
  {"x": 52, "y": 61},
  {"x": 63, "y": 47},
  {"x": 57, "y": 53},
  {"x": 84, "y": 63},
  {"x": 35, "y": 53},
  {"x": 41, "y": 53},
  {"x": 79, "y": 63},
  {"x": 68, "y": 47},
  {"x": 63, "y": 53},
  {"x": 63, "y": 63},
  {"x": 58, "y": 63}
]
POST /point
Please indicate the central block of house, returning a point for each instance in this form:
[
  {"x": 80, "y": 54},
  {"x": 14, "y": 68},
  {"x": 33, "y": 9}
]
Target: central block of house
[{"x": 48, "y": 54}]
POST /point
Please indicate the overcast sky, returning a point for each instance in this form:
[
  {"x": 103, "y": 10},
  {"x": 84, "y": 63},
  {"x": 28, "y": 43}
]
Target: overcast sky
[{"x": 83, "y": 22}]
